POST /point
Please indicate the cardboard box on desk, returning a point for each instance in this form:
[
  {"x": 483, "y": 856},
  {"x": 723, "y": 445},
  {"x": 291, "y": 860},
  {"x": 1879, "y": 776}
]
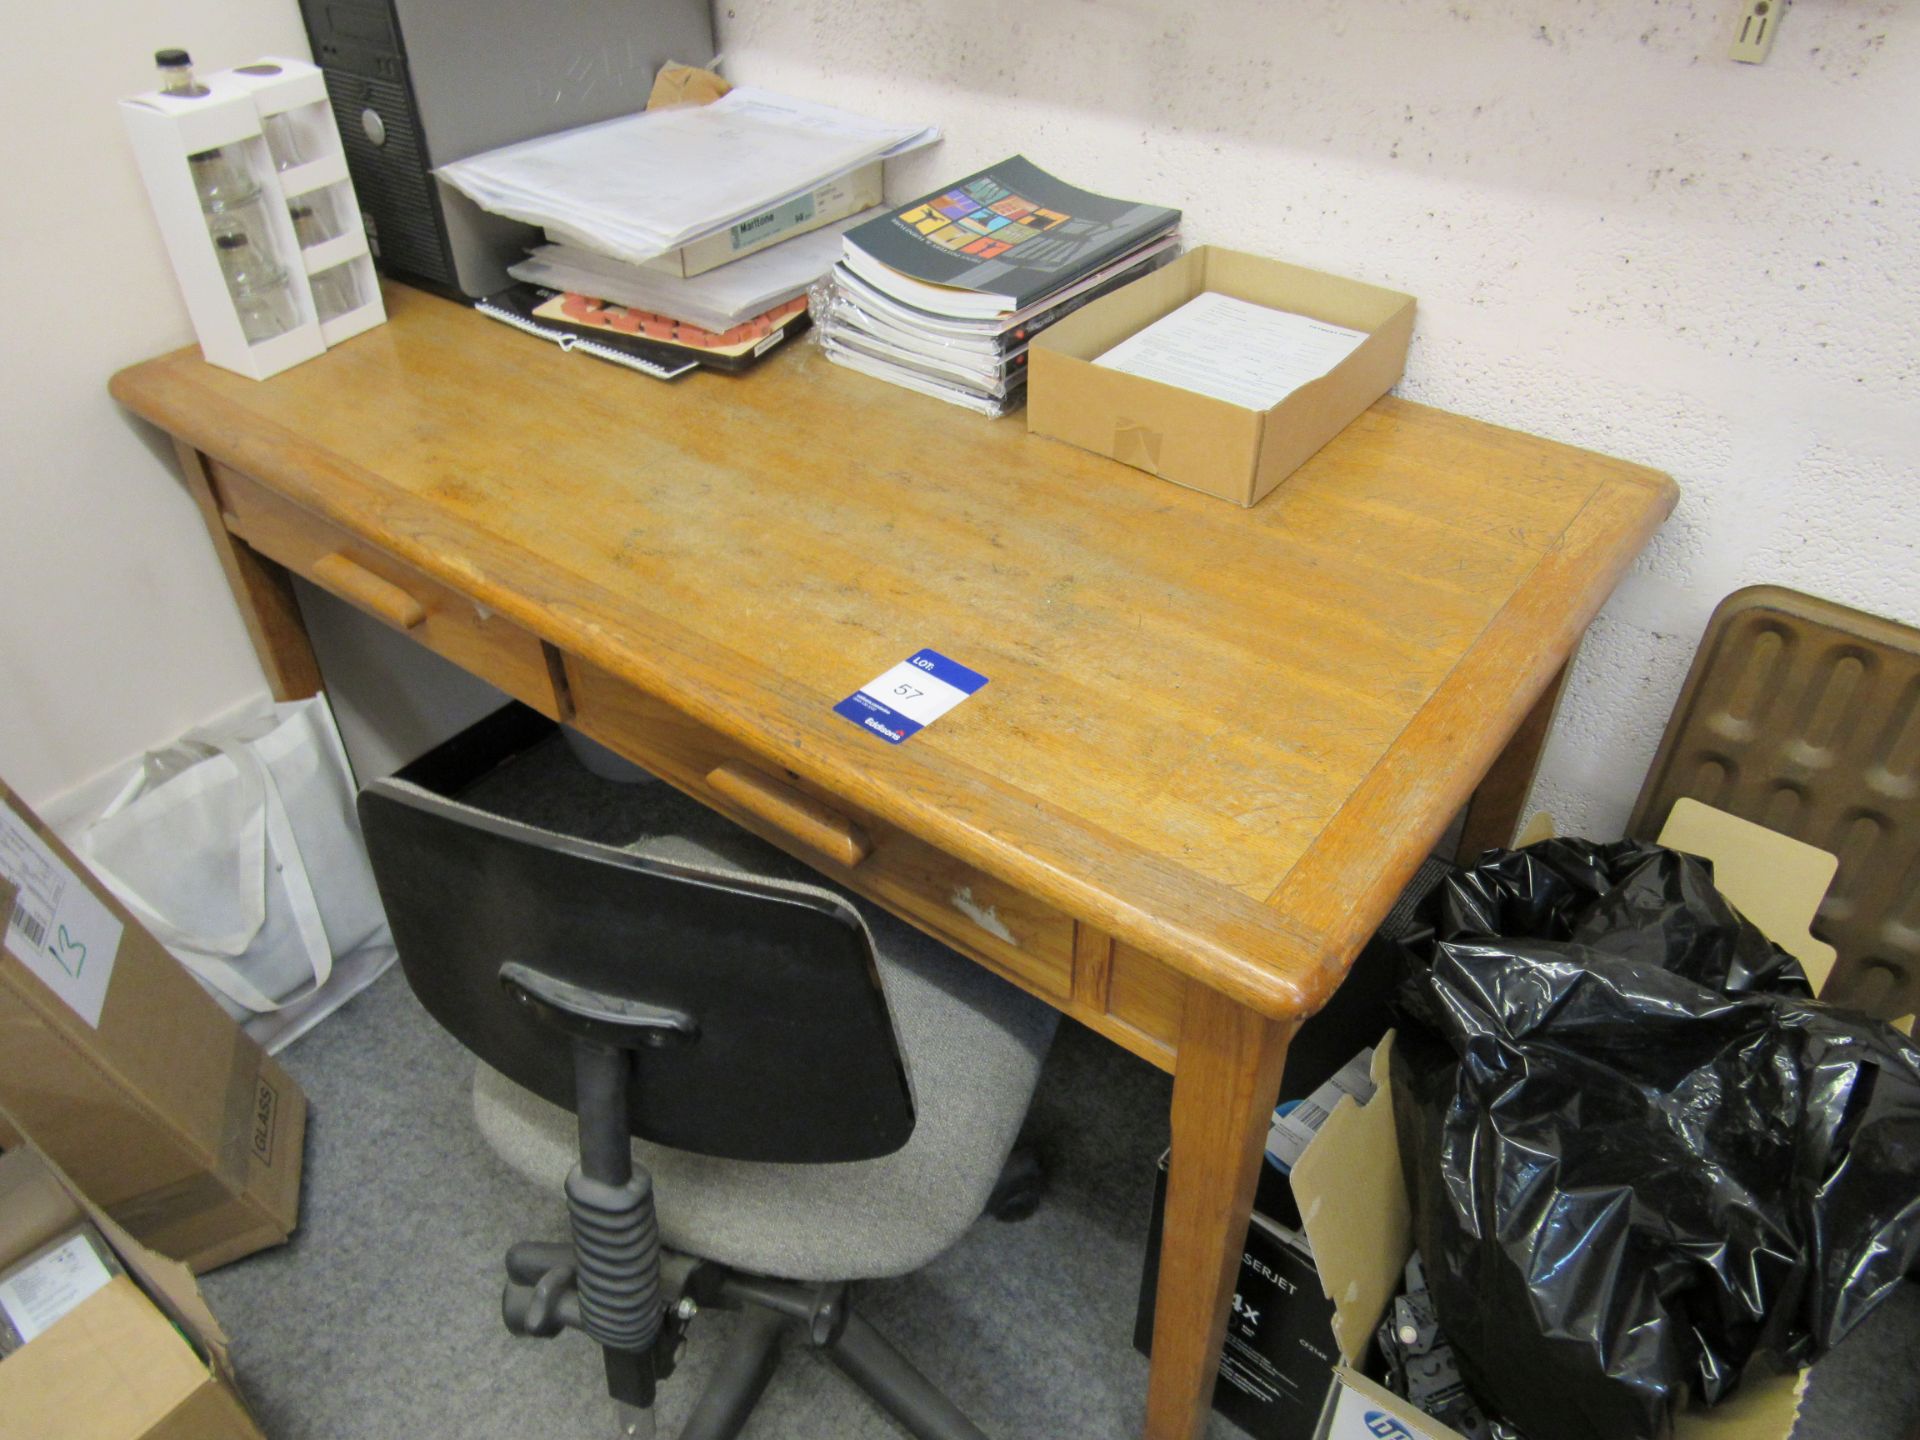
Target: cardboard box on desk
[
  {"x": 1196, "y": 440},
  {"x": 114, "y": 1367},
  {"x": 121, "y": 1068}
]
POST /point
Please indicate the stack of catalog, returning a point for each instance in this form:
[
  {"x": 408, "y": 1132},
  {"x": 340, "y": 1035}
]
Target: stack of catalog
[
  {"x": 944, "y": 294},
  {"x": 683, "y": 235}
]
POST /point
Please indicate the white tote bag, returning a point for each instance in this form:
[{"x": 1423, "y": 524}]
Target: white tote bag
[{"x": 240, "y": 849}]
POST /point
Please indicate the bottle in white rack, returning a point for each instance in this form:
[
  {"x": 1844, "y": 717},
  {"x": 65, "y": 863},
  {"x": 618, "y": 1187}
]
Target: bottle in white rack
[
  {"x": 312, "y": 224},
  {"x": 335, "y": 291},
  {"x": 258, "y": 287},
  {"x": 230, "y": 198},
  {"x": 283, "y": 142},
  {"x": 176, "y": 74}
]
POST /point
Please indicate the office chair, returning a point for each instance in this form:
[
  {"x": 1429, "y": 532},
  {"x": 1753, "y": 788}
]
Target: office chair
[{"x": 751, "y": 1090}]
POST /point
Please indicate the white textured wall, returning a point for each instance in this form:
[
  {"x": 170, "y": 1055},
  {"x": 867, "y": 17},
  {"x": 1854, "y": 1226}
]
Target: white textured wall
[
  {"x": 1619, "y": 239},
  {"x": 116, "y": 630}
]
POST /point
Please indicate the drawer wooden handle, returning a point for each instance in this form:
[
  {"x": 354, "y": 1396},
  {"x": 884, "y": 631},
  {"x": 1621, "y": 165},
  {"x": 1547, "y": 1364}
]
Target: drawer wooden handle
[
  {"x": 360, "y": 585},
  {"x": 801, "y": 816}
]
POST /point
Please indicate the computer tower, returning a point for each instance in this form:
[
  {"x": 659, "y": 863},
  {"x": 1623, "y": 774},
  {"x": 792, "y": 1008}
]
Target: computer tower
[{"x": 416, "y": 84}]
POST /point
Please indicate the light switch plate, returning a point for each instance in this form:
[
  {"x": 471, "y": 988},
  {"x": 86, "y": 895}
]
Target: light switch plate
[{"x": 1753, "y": 38}]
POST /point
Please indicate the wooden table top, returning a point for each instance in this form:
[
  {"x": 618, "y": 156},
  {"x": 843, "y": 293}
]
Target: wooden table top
[{"x": 1227, "y": 736}]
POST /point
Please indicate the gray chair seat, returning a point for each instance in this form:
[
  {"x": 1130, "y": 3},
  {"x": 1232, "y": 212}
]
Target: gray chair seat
[{"x": 973, "y": 1045}]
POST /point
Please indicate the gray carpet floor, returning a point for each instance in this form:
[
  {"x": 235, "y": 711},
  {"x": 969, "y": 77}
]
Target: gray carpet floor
[{"x": 381, "y": 1318}]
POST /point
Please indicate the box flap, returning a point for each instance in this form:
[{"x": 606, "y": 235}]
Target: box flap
[
  {"x": 1539, "y": 828},
  {"x": 37, "y": 1198},
  {"x": 1361, "y": 1249},
  {"x": 1763, "y": 1408},
  {"x": 1407, "y": 1420},
  {"x": 34, "y": 1206},
  {"x": 111, "y": 1369},
  {"x": 1092, "y": 330},
  {"x": 1775, "y": 881},
  {"x": 1313, "y": 293}
]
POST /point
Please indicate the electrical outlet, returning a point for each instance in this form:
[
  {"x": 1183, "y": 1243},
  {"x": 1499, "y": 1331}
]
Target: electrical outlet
[{"x": 1754, "y": 37}]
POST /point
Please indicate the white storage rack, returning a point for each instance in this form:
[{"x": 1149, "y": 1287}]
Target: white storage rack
[{"x": 166, "y": 128}]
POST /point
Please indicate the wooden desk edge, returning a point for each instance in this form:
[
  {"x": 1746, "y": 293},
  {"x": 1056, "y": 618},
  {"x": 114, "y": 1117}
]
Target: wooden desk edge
[
  {"x": 1221, "y": 938},
  {"x": 1339, "y": 888},
  {"x": 1282, "y": 957}
]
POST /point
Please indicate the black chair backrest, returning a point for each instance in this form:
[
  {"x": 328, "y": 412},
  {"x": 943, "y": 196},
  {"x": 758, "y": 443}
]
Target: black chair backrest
[{"x": 796, "y": 1059}]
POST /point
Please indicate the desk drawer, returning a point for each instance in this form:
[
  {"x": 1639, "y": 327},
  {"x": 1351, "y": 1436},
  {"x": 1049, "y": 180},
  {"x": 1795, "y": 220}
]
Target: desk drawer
[
  {"x": 439, "y": 617},
  {"x": 1026, "y": 940}
]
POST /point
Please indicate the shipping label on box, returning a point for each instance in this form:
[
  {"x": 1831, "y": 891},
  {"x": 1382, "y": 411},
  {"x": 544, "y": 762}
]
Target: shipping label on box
[
  {"x": 57, "y": 927},
  {"x": 127, "y": 1074},
  {"x": 45, "y": 1286}
]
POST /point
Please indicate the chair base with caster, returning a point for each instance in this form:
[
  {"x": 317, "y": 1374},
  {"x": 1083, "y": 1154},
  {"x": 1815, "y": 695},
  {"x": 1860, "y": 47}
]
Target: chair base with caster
[
  {"x": 620, "y": 1286},
  {"x": 540, "y": 1301}
]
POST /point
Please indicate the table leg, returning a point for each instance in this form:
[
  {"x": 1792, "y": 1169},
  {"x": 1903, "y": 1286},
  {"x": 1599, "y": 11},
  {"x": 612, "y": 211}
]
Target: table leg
[
  {"x": 1224, "y": 1082},
  {"x": 1493, "y": 814},
  {"x": 260, "y": 588}
]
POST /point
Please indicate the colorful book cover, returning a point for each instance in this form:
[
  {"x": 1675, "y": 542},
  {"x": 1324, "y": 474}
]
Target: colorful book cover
[{"x": 1011, "y": 231}]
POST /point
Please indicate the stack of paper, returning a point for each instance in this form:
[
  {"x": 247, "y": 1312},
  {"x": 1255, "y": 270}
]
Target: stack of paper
[
  {"x": 719, "y": 299},
  {"x": 980, "y": 364},
  {"x": 646, "y": 184},
  {"x": 1249, "y": 355},
  {"x": 943, "y": 294}
]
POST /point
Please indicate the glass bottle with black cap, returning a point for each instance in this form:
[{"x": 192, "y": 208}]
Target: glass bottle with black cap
[{"x": 258, "y": 286}]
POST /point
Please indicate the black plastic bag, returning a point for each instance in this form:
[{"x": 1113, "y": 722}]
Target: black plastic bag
[{"x": 1639, "y": 1158}]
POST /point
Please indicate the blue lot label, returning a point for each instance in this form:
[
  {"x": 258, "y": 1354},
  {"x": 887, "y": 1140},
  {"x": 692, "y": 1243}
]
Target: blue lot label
[{"x": 910, "y": 696}]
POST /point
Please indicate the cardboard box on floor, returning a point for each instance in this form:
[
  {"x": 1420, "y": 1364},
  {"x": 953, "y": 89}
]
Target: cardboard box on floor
[
  {"x": 1362, "y": 1234},
  {"x": 1196, "y": 440},
  {"x": 1361, "y": 1238},
  {"x": 114, "y": 1367},
  {"x": 122, "y": 1069}
]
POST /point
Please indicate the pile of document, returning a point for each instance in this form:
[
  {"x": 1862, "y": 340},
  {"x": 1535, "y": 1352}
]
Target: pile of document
[
  {"x": 710, "y": 214},
  {"x": 716, "y": 299},
  {"x": 643, "y": 185}
]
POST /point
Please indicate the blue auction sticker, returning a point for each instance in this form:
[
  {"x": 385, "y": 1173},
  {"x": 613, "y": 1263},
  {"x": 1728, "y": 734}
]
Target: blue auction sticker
[{"x": 910, "y": 696}]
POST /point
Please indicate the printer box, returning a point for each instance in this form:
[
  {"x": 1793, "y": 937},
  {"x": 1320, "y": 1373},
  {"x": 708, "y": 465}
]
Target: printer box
[
  {"x": 1279, "y": 1352},
  {"x": 1197, "y": 440},
  {"x": 108, "y": 1340},
  {"x": 126, "y": 1073}
]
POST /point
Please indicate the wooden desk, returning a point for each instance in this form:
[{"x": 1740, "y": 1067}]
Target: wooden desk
[{"x": 1214, "y": 744}]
